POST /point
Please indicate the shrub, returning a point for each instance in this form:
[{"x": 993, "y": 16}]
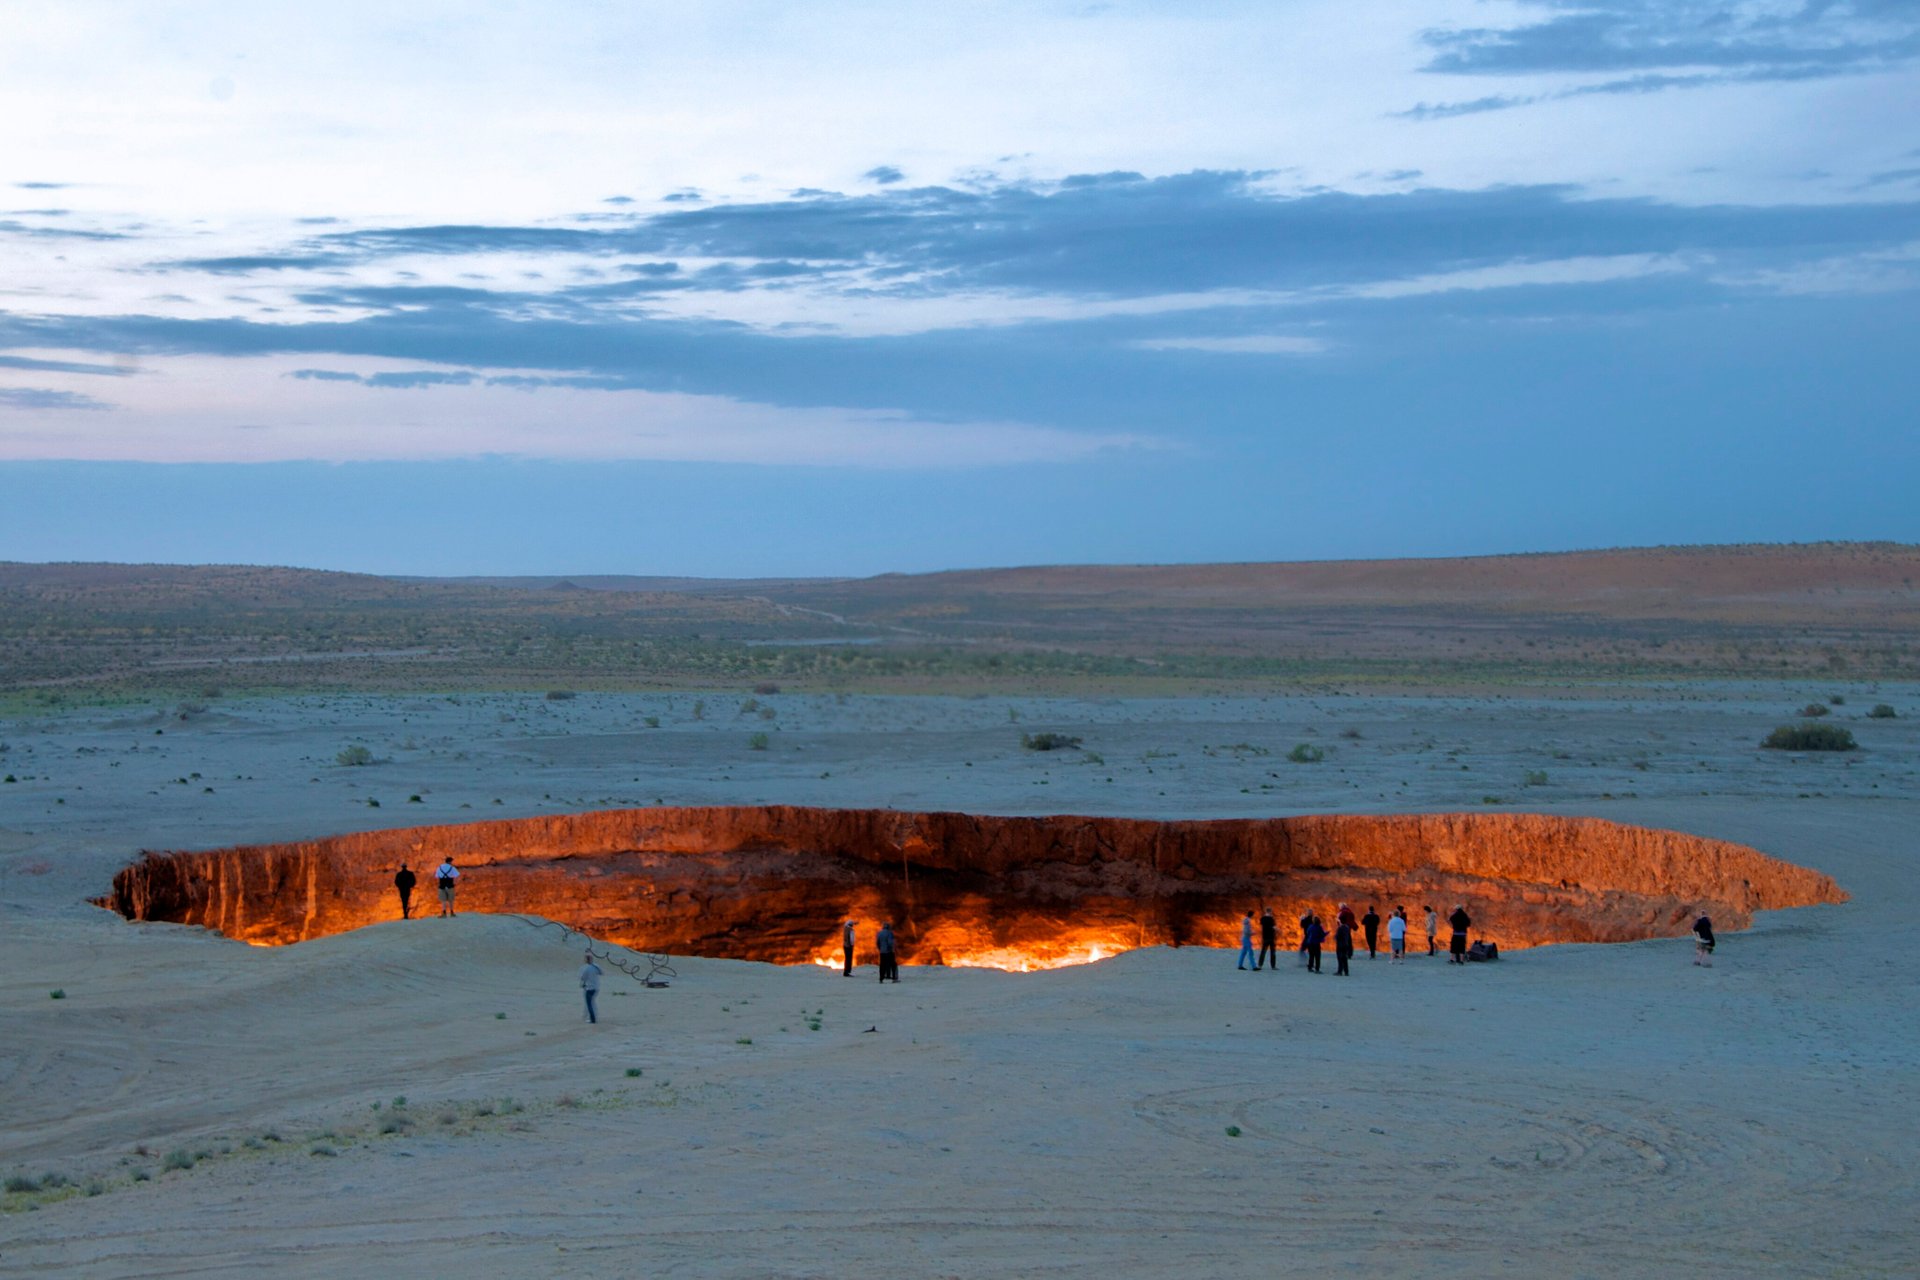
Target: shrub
[
  {"x": 1810, "y": 737},
  {"x": 354, "y": 756},
  {"x": 322, "y": 1149},
  {"x": 1881, "y": 711},
  {"x": 1837, "y": 700},
  {"x": 58, "y": 993},
  {"x": 1813, "y": 709},
  {"x": 758, "y": 742},
  {"x": 766, "y": 688},
  {"x": 561, "y": 695},
  {"x": 632, "y": 1072},
  {"x": 1306, "y": 753},
  {"x": 1048, "y": 741},
  {"x": 177, "y": 1159},
  {"x": 1536, "y": 777},
  {"x": 20, "y": 1184},
  {"x": 415, "y": 799},
  {"x": 652, "y": 722},
  {"x": 1233, "y": 1131}
]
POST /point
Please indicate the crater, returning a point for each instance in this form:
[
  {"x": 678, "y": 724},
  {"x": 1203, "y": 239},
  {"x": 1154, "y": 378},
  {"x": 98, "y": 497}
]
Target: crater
[{"x": 773, "y": 883}]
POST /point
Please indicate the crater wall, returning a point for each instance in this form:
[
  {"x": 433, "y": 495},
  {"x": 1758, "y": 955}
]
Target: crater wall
[{"x": 772, "y": 883}]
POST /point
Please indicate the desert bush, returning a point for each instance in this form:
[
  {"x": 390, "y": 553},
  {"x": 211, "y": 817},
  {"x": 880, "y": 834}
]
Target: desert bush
[
  {"x": 1048, "y": 741},
  {"x": 1536, "y": 777},
  {"x": 178, "y": 1158},
  {"x": 561, "y": 695},
  {"x": 1837, "y": 700},
  {"x": 652, "y": 722},
  {"x": 354, "y": 756},
  {"x": 1881, "y": 711},
  {"x": 766, "y": 688},
  {"x": 758, "y": 742},
  {"x": 1306, "y": 753},
  {"x": 58, "y": 993},
  {"x": 1810, "y": 737},
  {"x": 20, "y": 1184},
  {"x": 1813, "y": 709}
]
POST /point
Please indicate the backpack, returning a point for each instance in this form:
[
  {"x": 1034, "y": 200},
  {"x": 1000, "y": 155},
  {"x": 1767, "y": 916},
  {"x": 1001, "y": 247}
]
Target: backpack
[{"x": 1483, "y": 951}]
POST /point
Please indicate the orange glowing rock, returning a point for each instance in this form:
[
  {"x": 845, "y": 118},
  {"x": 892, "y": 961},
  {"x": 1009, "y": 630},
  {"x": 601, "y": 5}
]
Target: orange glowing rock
[{"x": 773, "y": 883}]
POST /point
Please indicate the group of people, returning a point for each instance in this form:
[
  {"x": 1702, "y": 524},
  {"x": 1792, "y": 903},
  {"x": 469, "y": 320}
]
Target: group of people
[
  {"x": 883, "y": 942},
  {"x": 446, "y": 876},
  {"x": 1314, "y": 934}
]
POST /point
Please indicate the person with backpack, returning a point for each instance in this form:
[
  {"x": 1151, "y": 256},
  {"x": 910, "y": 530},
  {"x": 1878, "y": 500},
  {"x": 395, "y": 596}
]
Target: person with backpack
[
  {"x": 403, "y": 882},
  {"x": 1370, "y": 926},
  {"x": 1460, "y": 922},
  {"x": 1269, "y": 940},
  {"x": 447, "y": 877},
  {"x": 1397, "y": 936},
  {"x": 590, "y": 986},
  {"x": 1315, "y": 934},
  {"x": 1703, "y": 941}
]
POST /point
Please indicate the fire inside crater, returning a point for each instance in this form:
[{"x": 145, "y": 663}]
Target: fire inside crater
[{"x": 773, "y": 883}]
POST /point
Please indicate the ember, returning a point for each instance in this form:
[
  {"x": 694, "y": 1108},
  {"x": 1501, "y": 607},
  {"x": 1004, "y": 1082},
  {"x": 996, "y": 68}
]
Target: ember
[{"x": 1007, "y": 893}]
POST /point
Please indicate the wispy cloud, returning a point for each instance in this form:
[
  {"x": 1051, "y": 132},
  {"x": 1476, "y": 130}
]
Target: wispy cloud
[
  {"x": 35, "y": 398},
  {"x": 1256, "y": 344}
]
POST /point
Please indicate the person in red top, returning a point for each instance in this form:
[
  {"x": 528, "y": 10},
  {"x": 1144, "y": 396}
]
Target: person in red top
[{"x": 1346, "y": 917}]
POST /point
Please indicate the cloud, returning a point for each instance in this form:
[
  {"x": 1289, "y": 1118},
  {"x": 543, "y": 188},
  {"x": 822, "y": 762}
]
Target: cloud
[
  {"x": 43, "y": 186},
  {"x": 1757, "y": 41},
  {"x": 1255, "y": 344},
  {"x": 883, "y": 175},
  {"x": 41, "y": 398},
  {"x": 65, "y": 366}
]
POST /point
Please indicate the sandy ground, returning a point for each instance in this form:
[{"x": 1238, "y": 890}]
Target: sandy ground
[{"x": 1570, "y": 1111}]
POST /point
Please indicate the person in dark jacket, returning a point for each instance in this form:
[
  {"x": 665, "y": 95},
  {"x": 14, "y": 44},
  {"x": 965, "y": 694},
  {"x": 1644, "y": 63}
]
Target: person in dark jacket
[
  {"x": 1461, "y": 922},
  {"x": 1703, "y": 941},
  {"x": 1316, "y": 933},
  {"x": 889, "y": 960},
  {"x": 1269, "y": 940},
  {"x": 1342, "y": 948},
  {"x": 1306, "y": 918},
  {"x": 846, "y": 946},
  {"x": 1370, "y": 926},
  {"x": 403, "y": 881}
]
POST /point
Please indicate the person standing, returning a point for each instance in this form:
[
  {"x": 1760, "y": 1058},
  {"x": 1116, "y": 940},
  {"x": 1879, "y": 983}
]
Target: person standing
[
  {"x": 846, "y": 946},
  {"x": 1370, "y": 925},
  {"x": 1269, "y": 940},
  {"x": 1246, "y": 941},
  {"x": 1306, "y": 918},
  {"x": 1460, "y": 921},
  {"x": 1342, "y": 948},
  {"x": 403, "y": 882},
  {"x": 889, "y": 961},
  {"x": 447, "y": 877},
  {"x": 1397, "y": 936},
  {"x": 590, "y": 986},
  {"x": 1433, "y": 928},
  {"x": 1345, "y": 916},
  {"x": 1315, "y": 934},
  {"x": 1703, "y": 941}
]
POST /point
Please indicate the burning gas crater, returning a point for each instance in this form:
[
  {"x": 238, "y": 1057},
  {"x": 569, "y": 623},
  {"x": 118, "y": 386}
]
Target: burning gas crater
[{"x": 1009, "y": 893}]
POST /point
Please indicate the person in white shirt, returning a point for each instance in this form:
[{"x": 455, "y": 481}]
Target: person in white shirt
[
  {"x": 447, "y": 877},
  {"x": 590, "y": 985},
  {"x": 846, "y": 947},
  {"x": 1397, "y": 935}
]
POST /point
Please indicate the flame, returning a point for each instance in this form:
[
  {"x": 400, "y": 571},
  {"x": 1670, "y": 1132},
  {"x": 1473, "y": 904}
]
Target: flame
[{"x": 974, "y": 946}]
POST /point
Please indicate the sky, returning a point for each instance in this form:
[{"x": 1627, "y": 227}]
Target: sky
[{"x": 756, "y": 289}]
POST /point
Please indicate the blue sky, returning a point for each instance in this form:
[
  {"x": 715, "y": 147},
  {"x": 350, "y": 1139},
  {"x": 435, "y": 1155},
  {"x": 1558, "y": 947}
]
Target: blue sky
[{"x": 751, "y": 289}]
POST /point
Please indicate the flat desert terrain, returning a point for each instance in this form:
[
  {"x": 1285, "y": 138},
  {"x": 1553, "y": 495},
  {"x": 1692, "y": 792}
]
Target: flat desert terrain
[{"x": 1569, "y": 1111}]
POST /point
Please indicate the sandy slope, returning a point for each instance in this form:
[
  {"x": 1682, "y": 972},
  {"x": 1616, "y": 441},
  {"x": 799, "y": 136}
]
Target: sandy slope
[{"x": 1571, "y": 1111}]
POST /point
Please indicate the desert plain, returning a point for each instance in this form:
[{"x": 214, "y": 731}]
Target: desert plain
[{"x": 424, "y": 1097}]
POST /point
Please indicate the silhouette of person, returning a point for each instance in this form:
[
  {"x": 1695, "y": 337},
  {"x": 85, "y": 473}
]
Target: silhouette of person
[
  {"x": 1316, "y": 933},
  {"x": 846, "y": 945},
  {"x": 1342, "y": 947},
  {"x": 1703, "y": 941},
  {"x": 1370, "y": 926},
  {"x": 889, "y": 960},
  {"x": 1460, "y": 922},
  {"x": 403, "y": 881},
  {"x": 1269, "y": 940},
  {"x": 1433, "y": 929},
  {"x": 1397, "y": 935},
  {"x": 1246, "y": 941},
  {"x": 1306, "y": 918},
  {"x": 590, "y": 986},
  {"x": 447, "y": 877}
]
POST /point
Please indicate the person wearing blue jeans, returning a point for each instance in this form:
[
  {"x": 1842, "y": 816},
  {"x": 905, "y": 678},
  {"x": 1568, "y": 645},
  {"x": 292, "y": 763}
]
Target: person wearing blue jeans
[
  {"x": 590, "y": 986},
  {"x": 1246, "y": 941}
]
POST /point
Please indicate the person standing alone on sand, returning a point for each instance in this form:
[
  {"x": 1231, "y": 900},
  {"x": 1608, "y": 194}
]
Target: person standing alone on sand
[
  {"x": 846, "y": 945},
  {"x": 1703, "y": 941},
  {"x": 1246, "y": 940},
  {"x": 1460, "y": 922},
  {"x": 1269, "y": 940},
  {"x": 1397, "y": 936},
  {"x": 403, "y": 881},
  {"x": 889, "y": 961},
  {"x": 1370, "y": 924},
  {"x": 590, "y": 986},
  {"x": 446, "y": 877},
  {"x": 1433, "y": 928}
]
